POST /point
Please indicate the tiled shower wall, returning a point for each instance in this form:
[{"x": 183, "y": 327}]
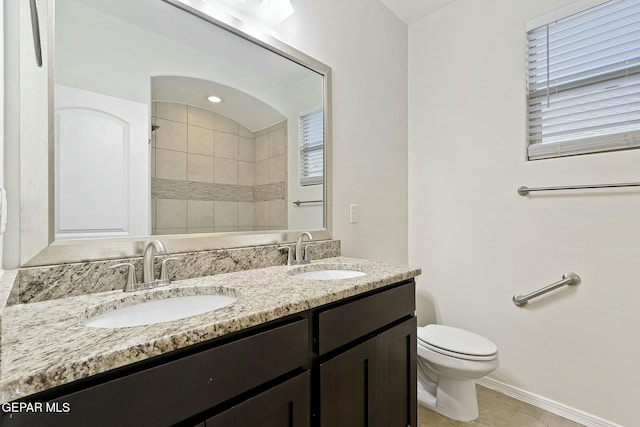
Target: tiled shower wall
[
  {"x": 270, "y": 183},
  {"x": 211, "y": 174}
]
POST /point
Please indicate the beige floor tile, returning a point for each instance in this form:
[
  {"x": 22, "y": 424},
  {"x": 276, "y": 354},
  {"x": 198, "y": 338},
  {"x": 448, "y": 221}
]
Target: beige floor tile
[{"x": 497, "y": 410}]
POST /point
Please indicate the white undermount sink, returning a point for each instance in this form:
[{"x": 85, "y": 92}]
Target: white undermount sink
[
  {"x": 329, "y": 274},
  {"x": 156, "y": 311}
]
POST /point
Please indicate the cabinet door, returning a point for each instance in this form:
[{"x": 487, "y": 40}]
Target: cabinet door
[
  {"x": 285, "y": 405},
  {"x": 397, "y": 354},
  {"x": 349, "y": 388}
]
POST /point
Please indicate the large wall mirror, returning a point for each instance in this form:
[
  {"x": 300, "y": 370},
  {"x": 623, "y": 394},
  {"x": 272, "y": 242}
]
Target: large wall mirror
[{"x": 169, "y": 122}]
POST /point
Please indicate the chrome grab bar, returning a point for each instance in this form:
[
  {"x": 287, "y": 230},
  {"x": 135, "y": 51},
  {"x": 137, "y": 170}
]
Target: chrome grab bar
[
  {"x": 300, "y": 202},
  {"x": 523, "y": 191},
  {"x": 567, "y": 279}
]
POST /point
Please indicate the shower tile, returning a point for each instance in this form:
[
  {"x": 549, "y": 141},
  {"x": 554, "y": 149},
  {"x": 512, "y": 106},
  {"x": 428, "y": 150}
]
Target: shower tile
[
  {"x": 226, "y": 171},
  {"x": 165, "y": 231},
  {"x": 225, "y": 124},
  {"x": 153, "y": 163},
  {"x": 245, "y": 173},
  {"x": 200, "y": 214},
  {"x": 245, "y": 214},
  {"x": 200, "y": 141},
  {"x": 171, "y": 111},
  {"x": 261, "y": 214},
  {"x": 245, "y": 149},
  {"x": 277, "y": 167},
  {"x": 245, "y": 132},
  {"x": 200, "y": 117},
  {"x": 277, "y": 142},
  {"x": 261, "y": 172},
  {"x": 171, "y": 165},
  {"x": 200, "y": 230},
  {"x": 226, "y": 229},
  {"x": 171, "y": 213},
  {"x": 171, "y": 135},
  {"x": 226, "y": 214},
  {"x": 153, "y": 212},
  {"x": 200, "y": 168},
  {"x": 226, "y": 145},
  {"x": 277, "y": 214},
  {"x": 279, "y": 125},
  {"x": 261, "y": 147}
]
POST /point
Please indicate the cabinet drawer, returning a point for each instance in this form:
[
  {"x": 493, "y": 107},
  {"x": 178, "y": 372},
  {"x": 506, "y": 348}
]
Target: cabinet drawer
[
  {"x": 171, "y": 392},
  {"x": 286, "y": 404},
  {"x": 340, "y": 325}
]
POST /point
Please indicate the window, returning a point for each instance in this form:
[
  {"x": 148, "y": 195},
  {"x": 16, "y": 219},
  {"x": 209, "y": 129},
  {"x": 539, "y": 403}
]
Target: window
[
  {"x": 311, "y": 126},
  {"x": 584, "y": 82}
]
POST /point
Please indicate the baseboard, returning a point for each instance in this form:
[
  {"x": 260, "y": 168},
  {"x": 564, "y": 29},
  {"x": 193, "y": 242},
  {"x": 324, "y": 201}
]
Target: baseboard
[{"x": 546, "y": 404}]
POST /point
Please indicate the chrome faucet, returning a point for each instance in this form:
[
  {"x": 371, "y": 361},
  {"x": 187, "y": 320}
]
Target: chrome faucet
[
  {"x": 148, "y": 275},
  {"x": 150, "y": 251},
  {"x": 302, "y": 255},
  {"x": 300, "y": 258}
]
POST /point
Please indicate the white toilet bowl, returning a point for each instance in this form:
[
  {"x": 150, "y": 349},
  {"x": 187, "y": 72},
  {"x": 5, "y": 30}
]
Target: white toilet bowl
[{"x": 449, "y": 360}]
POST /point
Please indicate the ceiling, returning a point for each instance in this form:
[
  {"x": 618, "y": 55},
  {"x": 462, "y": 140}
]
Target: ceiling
[
  {"x": 413, "y": 10},
  {"x": 237, "y": 105}
]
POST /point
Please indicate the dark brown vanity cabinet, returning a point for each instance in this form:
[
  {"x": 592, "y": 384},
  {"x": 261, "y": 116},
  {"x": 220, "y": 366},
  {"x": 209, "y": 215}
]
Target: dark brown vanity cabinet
[
  {"x": 189, "y": 386},
  {"x": 284, "y": 405},
  {"x": 349, "y": 363},
  {"x": 367, "y": 367}
]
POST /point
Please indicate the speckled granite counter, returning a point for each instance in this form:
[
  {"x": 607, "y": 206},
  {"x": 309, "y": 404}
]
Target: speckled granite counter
[{"x": 46, "y": 344}]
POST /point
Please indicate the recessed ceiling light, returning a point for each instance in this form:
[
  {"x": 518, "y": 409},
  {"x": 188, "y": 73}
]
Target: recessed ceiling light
[{"x": 214, "y": 98}]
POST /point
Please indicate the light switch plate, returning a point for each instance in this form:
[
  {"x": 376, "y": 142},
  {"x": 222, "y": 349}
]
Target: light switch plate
[{"x": 354, "y": 213}]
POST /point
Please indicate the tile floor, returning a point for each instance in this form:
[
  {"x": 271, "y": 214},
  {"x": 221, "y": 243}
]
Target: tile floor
[{"x": 498, "y": 410}]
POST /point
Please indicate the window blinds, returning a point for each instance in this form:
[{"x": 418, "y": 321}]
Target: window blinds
[
  {"x": 311, "y": 147},
  {"x": 584, "y": 82}
]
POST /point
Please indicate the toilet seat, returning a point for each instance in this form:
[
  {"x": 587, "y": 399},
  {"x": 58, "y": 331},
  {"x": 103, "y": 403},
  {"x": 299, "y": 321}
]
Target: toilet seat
[{"x": 456, "y": 343}]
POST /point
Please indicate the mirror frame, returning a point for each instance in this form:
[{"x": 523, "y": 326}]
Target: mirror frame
[{"x": 37, "y": 234}]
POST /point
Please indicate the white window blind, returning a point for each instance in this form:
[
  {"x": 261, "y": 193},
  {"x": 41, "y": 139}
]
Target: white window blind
[
  {"x": 584, "y": 82},
  {"x": 311, "y": 127}
]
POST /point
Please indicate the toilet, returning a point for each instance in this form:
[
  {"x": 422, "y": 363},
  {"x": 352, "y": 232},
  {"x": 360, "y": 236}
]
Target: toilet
[{"x": 449, "y": 362}]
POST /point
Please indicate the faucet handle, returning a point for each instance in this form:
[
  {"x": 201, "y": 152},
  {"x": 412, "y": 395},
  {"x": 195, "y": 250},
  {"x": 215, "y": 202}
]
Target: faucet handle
[
  {"x": 164, "y": 270},
  {"x": 131, "y": 276},
  {"x": 289, "y": 254},
  {"x": 307, "y": 254}
]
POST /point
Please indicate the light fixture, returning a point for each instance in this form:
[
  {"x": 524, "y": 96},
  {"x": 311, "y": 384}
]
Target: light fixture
[
  {"x": 276, "y": 10},
  {"x": 214, "y": 98}
]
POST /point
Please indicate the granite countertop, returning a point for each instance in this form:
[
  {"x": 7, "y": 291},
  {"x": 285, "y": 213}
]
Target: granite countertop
[{"x": 46, "y": 344}]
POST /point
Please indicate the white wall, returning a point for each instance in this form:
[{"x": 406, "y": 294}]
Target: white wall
[
  {"x": 366, "y": 47},
  {"x": 479, "y": 242}
]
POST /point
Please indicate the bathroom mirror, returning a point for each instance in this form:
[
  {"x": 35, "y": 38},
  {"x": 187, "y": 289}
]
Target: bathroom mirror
[{"x": 139, "y": 150}]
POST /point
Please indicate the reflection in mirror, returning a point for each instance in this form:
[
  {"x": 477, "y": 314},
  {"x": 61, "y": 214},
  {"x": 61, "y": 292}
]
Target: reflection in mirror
[
  {"x": 139, "y": 149},
  {"x": 235, "y": 174}
]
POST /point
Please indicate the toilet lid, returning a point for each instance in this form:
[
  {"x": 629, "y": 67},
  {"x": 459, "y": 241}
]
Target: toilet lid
[{"x": 456, "y": 340}]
